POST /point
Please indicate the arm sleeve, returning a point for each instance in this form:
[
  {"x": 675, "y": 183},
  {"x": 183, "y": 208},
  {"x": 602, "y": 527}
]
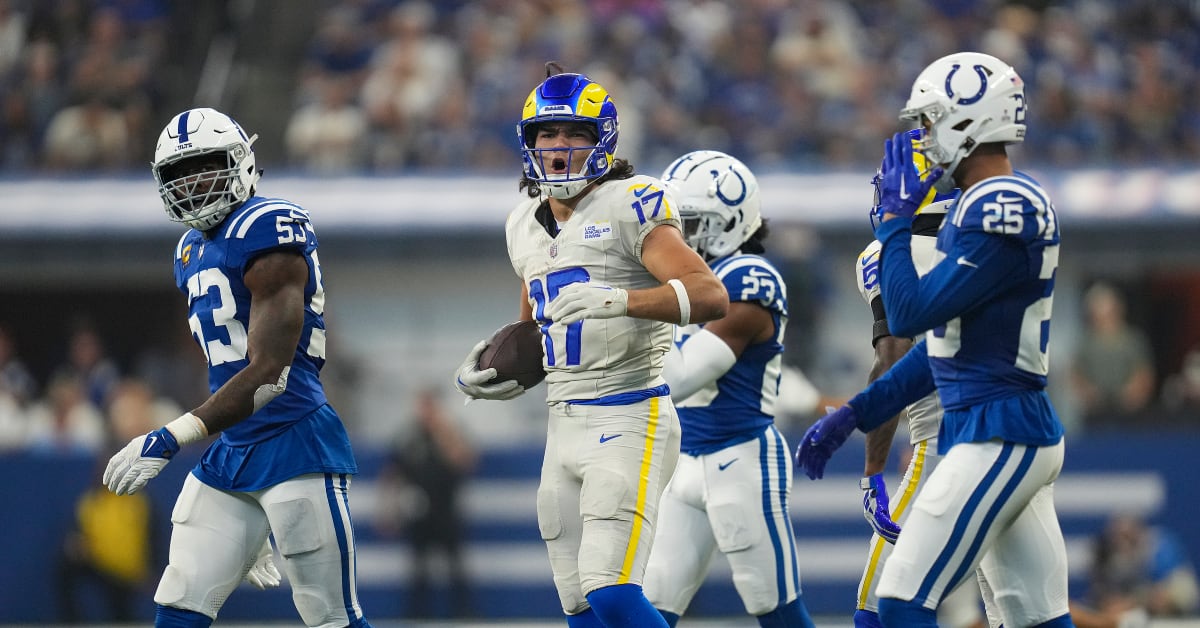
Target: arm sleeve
[
  {"x": 978, "y": 266},
  {"x": 701, "y": 360},
  {"x": 909, "y": 379}
]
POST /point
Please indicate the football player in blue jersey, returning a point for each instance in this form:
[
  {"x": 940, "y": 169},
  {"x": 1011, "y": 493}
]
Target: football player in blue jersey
[
  {"x": 984, "y": 308},
  {"x": 731, "y": 484},
  {"x": 605, "y": 271},
  {"x": 282, "y": 463},
  {"x": 959, "y": 609}
]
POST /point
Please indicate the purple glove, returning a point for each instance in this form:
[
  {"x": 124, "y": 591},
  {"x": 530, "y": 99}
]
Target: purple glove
[
  {"x": 900, "y": 188},
  {"x": 875, "y": 507},
  {"x": 822, "y": 439}
]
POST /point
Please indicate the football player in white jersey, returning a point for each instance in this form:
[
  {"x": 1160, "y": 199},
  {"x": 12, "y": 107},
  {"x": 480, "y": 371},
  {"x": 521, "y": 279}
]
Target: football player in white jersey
[
  {"x": 606, "y": 272},
  {"x": 961, "y": 608},
  {"x": 730, "y": 488},
  {"x": 984, "y": 307},
  {"x": 282, "y": 463}
]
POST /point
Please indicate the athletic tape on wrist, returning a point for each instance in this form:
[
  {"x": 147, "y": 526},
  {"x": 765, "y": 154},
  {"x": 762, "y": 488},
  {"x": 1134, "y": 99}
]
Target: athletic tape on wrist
[
  {"x": 685, "y": 304},
  {"x": 187, "y": 429}
]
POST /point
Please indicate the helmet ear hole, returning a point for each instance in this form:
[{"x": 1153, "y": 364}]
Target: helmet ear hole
[{"x": 733, "y": 221}]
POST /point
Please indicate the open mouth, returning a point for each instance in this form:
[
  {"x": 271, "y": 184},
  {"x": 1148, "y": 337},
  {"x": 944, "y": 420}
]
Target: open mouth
[{"x": 558, "y": 165}]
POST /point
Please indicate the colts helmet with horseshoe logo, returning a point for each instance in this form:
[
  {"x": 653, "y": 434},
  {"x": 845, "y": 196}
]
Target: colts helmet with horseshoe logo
[
  {"x": 717, "y": 199},
  {"x": 963, "y": 100}
]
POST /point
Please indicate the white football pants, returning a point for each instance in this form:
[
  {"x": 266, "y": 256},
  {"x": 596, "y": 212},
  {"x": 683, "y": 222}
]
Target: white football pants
[
  {"x": 217, "y": 536},
  {"x": 736, "y": 501},
  {"x": 603, "y": 473},
  {"x": 988, "y": 505}
]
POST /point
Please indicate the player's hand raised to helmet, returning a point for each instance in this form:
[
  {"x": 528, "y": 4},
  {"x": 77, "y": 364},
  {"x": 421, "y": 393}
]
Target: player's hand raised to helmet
[{"x": 901, "y": 189}]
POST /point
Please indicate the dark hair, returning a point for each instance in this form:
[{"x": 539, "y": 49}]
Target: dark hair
[
  {"x": 621, "y": 169},
  {"x": 754, "y": 244}
]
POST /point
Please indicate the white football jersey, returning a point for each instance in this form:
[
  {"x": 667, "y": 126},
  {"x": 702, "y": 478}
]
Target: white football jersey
[
  {"x": 601, "y": 243},
  {"x": 925, "y": 415}
]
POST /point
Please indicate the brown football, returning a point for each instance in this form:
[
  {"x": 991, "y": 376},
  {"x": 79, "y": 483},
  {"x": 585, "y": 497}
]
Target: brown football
[{"x": 515, "y": 351}]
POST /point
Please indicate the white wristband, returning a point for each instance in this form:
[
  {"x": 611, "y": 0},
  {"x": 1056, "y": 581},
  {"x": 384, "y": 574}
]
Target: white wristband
[
  {"x": 187, "y": 429},
  {"x": 685, "y": 304}
]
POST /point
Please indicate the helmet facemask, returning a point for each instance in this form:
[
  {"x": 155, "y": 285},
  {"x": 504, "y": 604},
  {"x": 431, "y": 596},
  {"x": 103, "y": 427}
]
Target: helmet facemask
[
  {"x": 196, "y": 188},
  {"x": 204, "y": 166},
  {"x": 563, "y": 171},
  {"x": 565, "y": 99}
]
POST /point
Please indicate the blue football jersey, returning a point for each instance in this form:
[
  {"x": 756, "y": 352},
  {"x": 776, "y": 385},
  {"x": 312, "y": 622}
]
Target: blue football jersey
[
  {"x": 741, "y": 403},
  {"x": 209, "y": 270},
  {"x": 985, "y": 309}
]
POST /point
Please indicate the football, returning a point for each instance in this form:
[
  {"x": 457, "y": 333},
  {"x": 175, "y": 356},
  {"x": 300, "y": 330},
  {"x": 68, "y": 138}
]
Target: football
[{"x": 515, "y": 351}]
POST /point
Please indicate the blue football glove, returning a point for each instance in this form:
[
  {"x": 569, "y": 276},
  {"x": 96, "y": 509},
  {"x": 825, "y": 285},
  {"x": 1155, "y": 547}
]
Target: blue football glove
[
  {"x": 822, "y": 439},
  {"x": 901, "y": 189},
  {"x": 875, "y": 507},
  {"x": 139, "y": 461}
]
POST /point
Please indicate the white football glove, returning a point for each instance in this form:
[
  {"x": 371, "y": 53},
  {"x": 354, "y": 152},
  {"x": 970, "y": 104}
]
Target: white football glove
[
  {"x": 264, "y": 574},
  {"x": 474, "y": 383},
  {"x": 139, "y": 461},
  {"x": 583, "y": 300}
]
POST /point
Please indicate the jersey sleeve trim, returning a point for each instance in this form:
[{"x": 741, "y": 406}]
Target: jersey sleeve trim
[
  {"x": 1021, "y": 186},
  {"x": 750, "y": 265},
  {"x": 240, "y": 226}
]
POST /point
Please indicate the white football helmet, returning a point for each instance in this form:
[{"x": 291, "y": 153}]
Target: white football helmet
[
  {"x": 966, "y": 99},
  {"x": 204, "y": 167},
  {"x": 717, "y": 199}
]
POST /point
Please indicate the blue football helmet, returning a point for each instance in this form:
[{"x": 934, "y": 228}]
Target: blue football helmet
[
  {"x": 923, "y": 166},
  {"x": 568, "y": 98}
]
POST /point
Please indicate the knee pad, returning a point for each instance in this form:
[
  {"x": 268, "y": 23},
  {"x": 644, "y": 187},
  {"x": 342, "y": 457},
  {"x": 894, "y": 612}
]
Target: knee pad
[
  {"x": 548, "y": 515},
  {"x": 311, "y": 605},
  {"x": 895, "y": 612}
]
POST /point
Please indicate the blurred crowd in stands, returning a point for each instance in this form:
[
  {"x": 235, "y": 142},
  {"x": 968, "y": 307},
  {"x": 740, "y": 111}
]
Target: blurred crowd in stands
[{"x": 388, "y": 86}]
